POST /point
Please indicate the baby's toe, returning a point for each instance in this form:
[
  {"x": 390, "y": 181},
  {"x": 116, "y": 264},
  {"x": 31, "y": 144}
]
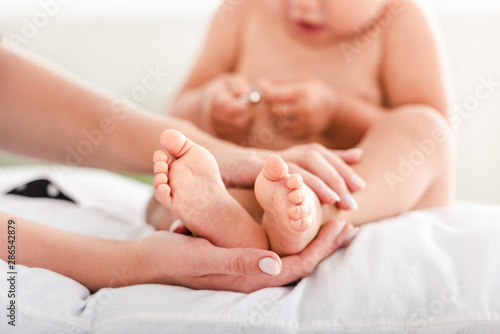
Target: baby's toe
[
  {"x": 160, "y": 167},
  {"x": 294, "y": 181},
  {"x": 275, "y": 168},
  {"x": 300, "y": 225},
  {"x": 160, "y": 179},
  {"x": 162, "y": 194},
  {"x": 160, "y": 156},
  {"x": 298, "y": 212},
  {"x": 296, "y": 196},
  {"x": 175, "y": 143}
]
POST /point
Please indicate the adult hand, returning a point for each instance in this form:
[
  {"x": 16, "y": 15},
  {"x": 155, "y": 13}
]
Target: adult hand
[
  {"x": 170, "y": 258},
  {"x": 304, "y": 104},
  {"x": 326, "y": 172},
  {"x": 229, "y": 117}
]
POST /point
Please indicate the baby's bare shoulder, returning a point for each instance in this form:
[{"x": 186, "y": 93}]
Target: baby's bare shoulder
[{"x": 406, "y": 17}]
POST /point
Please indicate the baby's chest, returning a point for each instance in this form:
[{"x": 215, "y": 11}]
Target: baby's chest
[{"x": 346, "y": 65}]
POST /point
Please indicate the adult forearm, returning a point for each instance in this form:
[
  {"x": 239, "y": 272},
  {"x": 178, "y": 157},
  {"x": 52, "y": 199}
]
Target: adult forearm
[
  {"x": 46, "y": 114},
  {"x": 94, "y": 262}
]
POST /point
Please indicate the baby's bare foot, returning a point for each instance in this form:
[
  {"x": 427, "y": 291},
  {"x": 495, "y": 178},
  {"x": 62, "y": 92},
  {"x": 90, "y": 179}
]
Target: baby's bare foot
[
  {"x": 188, "y": 182},
  {"x": 291, "y": 210}
]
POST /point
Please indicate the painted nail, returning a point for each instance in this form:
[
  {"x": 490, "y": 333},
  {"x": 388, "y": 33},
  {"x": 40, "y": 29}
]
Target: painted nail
[
  {"x": 354, "y": 151},
  {"x": 358, "y": 181},
  {"x": 269, "y": 266},
  {"x": 350, "y": 201},
  {"x": 175, "y": 225},
  {"x": 341, "y": 228},
  {"x": 350, "y": 236},
  {"x": 333, "y": 195}
]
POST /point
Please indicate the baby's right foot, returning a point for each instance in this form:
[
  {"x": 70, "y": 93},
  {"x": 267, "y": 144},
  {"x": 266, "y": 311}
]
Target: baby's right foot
[
  {"x": 189, "y": 183},
  {"x": 292, "y": 214}
]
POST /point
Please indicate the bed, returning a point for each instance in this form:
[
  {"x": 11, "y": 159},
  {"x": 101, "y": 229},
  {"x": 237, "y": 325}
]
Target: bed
[{"x": 430, "y": 271}]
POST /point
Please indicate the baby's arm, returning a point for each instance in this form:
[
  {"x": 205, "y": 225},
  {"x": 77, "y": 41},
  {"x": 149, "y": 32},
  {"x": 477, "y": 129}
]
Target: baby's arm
[
  {"x": 412, "y": 68},
  {"x": 411, "y": 73},
  {"x": 218, "y": 57}
]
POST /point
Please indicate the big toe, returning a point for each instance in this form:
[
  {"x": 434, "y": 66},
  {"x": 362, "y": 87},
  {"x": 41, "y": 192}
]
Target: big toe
[
  {"x": 175, "y": 143},
  {"x": 275, "y": 168}
]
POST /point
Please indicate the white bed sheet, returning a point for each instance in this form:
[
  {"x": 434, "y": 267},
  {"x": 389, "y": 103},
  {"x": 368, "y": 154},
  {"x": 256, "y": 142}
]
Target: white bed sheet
[{"x": 432, "y": 271}]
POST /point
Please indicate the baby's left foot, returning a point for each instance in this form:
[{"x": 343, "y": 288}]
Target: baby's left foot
[
  {"x": 291, "y": 210},
  {"x": 188, "y": 182}
]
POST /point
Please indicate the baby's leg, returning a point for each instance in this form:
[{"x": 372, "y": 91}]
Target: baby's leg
[
  {"x": 407, "y": 163},
  {"x": 292, "y": 212},
  {"x": 189, "y": 184}
]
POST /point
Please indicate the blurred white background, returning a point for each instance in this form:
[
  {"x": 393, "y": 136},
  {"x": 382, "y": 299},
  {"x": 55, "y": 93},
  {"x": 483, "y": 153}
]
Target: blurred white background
[{"x": 113, "y": 43}]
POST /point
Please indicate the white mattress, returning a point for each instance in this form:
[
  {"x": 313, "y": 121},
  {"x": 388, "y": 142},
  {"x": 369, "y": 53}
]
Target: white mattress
[{"x": 433, "y": 271}]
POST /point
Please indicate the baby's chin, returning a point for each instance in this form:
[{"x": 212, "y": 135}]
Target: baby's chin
[{"x": 321, "y": 38}]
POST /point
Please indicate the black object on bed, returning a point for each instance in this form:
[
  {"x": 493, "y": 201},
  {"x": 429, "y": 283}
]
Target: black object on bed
[{"x": 41, "y": 188}]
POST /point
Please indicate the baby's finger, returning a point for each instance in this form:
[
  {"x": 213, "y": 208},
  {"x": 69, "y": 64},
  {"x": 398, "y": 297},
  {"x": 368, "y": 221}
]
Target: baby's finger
[
  {"x": 286, "y": 93},
  {"x": 226, "y": 105},
  {"x": 285, "y": 111},
  {"x": 239, "y": 85}
]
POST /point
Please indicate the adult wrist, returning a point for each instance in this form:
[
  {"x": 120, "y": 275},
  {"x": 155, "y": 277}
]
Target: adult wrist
[{"x": 142, "y": 262}]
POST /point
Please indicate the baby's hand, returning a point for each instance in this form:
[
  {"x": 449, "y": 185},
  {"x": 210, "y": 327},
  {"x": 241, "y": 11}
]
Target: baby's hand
[
  {"x": 229, "y": 116},
  {"x": 305, "y": 104}
]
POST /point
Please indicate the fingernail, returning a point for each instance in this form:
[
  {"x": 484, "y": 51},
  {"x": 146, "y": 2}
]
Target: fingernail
[
  {"x": 175, "y": 225},
  {"x": 269, "y": 266},
  {"x": 341, "y": 228},
  {"x": 354, "y": 151},
  {"x": 358, "y": 181},
  {"x": 350, "y": 236},
  {"x": 333, "y": 195},
  {"x": 350, "y": 201}
]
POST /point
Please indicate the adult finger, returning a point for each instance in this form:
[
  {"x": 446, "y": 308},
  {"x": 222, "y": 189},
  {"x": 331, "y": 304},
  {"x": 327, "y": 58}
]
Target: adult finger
[
  {"x": 325, "y": 194},
  {"x": 351, "y": 156},
  {"x": 331, "y": 237},
  {"x": 352, "y": 179}
]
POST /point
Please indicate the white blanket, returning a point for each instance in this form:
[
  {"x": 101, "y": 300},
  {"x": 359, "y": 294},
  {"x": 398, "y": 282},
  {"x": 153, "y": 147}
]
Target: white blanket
[{"x": 432, "y": 271}]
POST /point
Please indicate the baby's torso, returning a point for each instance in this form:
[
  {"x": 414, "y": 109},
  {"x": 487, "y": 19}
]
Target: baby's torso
[{"x": 267, "y": 51}]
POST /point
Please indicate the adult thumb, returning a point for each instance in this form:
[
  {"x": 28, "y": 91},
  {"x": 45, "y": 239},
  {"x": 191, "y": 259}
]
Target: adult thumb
[{"x": 247, "y": 261}]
